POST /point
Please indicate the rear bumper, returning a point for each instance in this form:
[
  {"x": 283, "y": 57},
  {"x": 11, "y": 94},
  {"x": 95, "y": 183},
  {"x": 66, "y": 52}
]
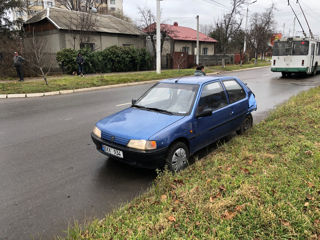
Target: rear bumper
[
  {"x": 273, "y": 69},
  {"x": 146, "y": 159}
]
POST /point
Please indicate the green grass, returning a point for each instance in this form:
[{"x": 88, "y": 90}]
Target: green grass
[
  {"x": 75, "y": 82},
  {"x": 264, "y": 184}
]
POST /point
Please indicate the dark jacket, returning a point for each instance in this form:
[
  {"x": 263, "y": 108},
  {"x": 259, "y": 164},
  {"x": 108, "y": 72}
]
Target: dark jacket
[
  {"x": 80, "y": 60},
  {"x": 199, "y": 73},
  {"x": 17, "y": 61}
]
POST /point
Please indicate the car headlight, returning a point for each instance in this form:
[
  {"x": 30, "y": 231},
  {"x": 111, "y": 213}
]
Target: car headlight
[
  {"x": 142, "y": 144},
  {"x": 96, "y": 131}
]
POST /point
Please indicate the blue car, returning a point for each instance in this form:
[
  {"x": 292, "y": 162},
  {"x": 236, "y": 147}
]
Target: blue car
[{"x": 174, "y": 119}]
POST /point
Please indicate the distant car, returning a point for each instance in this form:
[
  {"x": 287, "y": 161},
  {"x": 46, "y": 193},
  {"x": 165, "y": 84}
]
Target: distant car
[{"x": 174, "y": 119}]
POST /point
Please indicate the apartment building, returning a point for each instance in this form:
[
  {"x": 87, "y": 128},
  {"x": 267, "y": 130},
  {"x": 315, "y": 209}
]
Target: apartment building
[
  {"x": 33, "y": 7},
  {"x": 109, "y": 6}
]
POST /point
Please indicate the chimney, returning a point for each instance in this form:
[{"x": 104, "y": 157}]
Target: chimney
[{"x": 175, "y": 24}]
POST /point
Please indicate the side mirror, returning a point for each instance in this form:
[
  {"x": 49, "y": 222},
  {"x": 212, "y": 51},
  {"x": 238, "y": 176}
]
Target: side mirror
[
  {"x": 133, "y": 101},
  {"x": 205, "y": 113}
]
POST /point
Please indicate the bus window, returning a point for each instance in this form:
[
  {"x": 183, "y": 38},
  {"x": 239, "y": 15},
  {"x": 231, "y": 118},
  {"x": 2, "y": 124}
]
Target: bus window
[
  {"x": 318, "y": 47},
  {"x": 282, "y": 49},
  {"x": 300, "y": 48}
]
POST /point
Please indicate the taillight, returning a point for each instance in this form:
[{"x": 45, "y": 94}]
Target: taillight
[
  {"x": 302, "y": 63},
  {"x": 274, "y": 62}
]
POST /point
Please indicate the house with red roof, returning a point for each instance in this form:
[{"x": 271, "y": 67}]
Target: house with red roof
[{"x": 179, "y": 45}]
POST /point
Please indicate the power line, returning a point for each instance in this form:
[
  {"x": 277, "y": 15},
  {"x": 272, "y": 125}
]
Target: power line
[{"x": 217, "y": 4}]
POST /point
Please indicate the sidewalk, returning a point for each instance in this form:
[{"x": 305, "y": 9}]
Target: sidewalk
[{"x": 63, "y": 92}]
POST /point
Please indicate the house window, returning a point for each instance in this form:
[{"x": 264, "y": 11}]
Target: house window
[
  {"x": 113, "y": 9},
  {"x": 113, "y": 2},
  {"x": 185, "y": 49},
  {"x": 87, "y": 45},
  {"x": 50, "y": 4},
  {"x": 204, "y": 51}
]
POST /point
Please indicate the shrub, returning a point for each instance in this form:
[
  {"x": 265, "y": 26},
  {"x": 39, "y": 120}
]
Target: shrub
[{"x": 112, "y": 59}]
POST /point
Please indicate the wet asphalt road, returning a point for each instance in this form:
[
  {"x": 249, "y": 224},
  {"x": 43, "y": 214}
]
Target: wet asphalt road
[{"x": 50, "y": 172}]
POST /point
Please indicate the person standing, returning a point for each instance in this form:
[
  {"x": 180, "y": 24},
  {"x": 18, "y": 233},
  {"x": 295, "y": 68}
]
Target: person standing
[
  {"x": 80, "y": 62},
  {"x": 18, "y": 64},
  {"x": 200, "y": 71}
]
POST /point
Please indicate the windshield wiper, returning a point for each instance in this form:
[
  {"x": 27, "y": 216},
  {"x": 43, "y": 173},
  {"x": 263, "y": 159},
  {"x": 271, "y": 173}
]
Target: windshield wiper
[
  {"x": 153, "y": 109},
  {"x": 160, "y": 110}
]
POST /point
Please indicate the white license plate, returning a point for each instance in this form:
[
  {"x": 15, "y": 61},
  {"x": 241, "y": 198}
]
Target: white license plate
[{"x": 112, "y": 151}]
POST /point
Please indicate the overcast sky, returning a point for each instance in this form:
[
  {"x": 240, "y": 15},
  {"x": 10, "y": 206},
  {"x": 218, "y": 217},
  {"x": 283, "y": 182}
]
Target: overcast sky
[{"x": 185, "y": 11}]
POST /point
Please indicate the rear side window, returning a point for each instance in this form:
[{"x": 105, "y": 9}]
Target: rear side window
[
  {"x": 212, "y": 96},
  {"x": 235, "y": 91}
]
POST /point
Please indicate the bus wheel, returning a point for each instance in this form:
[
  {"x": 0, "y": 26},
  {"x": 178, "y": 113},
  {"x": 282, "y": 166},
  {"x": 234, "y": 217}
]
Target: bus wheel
[
  {"x": 283, "y": 74},
  {"x": 315, "y": 69}
]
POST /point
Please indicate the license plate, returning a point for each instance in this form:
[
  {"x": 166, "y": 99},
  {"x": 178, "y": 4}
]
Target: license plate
[{"x": 112, "y": 151}]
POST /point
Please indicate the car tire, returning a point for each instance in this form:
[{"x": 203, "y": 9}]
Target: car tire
[
  {"x": 246, "y": 124},
  {"x": 178, "y": 157}
]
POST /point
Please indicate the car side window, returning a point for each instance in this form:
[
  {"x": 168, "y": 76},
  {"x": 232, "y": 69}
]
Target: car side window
[
  {"x": 212, "y": 97},
  {"x": 234, "y": 90}
]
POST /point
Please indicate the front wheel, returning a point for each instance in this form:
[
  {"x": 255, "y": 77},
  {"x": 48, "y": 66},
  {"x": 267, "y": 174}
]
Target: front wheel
[
  {"x": 246, "y": 124},
  {"x": 178, "y": 157}
]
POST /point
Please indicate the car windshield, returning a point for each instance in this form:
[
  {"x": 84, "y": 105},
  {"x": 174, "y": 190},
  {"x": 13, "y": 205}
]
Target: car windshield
[{"x": 169, "y": 98}]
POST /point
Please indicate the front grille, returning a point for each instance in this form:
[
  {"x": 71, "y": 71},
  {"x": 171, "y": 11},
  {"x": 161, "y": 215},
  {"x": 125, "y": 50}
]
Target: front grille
[{"x": 114, "y": 139}]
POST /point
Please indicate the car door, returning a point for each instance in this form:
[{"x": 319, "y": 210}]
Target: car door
[
  {"x": 209, "y": 128},
  {"x": 238, "y": 102}
]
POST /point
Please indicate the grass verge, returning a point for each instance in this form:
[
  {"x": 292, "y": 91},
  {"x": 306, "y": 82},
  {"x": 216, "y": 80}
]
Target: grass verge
[
  {"x": 262, "y": 185},
  {"x": 75, "y": 82}
]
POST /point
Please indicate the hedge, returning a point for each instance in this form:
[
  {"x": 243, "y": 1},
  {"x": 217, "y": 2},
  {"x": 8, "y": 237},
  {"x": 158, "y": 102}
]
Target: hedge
[{"x": 112, "y": 59}]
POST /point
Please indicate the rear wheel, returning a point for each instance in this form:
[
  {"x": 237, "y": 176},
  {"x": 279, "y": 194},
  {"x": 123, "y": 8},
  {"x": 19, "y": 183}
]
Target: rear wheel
[
  {"x": 246, "y": 124},
  {"x": 315, "y": 69},
  {"x": 178, "y": 157}
]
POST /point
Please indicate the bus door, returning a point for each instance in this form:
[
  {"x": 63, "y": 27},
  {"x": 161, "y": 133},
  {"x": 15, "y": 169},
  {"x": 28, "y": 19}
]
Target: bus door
[{"x": 313, "y": 46}]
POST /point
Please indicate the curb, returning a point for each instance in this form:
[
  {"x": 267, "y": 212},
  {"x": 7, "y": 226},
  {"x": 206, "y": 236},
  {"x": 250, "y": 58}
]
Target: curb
[{"x": 65, "y": 92}]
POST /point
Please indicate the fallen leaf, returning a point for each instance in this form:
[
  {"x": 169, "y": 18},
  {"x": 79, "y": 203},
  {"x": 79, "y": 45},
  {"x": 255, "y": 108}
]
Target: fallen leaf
[
  {"x": 309, "y": 152},
  {"x": 285, "y": 223},
  {"x": 229, "y": 215},
  {"x": 306, "y": 204},
  {"x": 222, "y": 188},
  {"x": 311, "y": 185},
  {"x": 171, "y": 218},
  {"x": 239, "y": 208},
  {"x": 176, "y": 201},
  {"x": 163, "y": 197},
  {"x": 245, "y": 170}
]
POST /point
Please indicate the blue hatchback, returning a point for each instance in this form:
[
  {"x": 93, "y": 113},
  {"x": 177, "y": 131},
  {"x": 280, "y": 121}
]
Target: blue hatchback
[{"x": 174, "y": 119}]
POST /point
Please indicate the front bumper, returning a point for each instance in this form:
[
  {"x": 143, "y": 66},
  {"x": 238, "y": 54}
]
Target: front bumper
[{"x": 146, "y": 159}]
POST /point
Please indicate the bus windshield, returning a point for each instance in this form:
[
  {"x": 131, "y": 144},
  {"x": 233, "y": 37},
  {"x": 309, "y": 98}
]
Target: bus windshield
[{"x": 295, "y": 48}]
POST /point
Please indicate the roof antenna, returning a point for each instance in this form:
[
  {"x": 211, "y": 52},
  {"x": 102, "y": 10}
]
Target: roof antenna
[
  {"x": 305, "y": 35},
  {"x": 311, "y": 34}
]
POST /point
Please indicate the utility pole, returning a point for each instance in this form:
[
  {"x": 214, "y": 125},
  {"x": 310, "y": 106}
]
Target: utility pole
[
  {"x": 245, "y": 30},
  {"x": 198, "y": 45},
  {"x": 158, "y": 38}
]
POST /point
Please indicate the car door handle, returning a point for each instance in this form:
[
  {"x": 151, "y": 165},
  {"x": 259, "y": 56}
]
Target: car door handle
[{"x": 231, "y": 113}]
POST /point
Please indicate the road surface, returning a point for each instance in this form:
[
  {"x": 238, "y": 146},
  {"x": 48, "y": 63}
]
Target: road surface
[{"x": 51, "y": 173}]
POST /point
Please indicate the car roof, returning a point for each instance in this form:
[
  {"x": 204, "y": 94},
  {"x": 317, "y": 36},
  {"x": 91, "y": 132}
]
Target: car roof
[{"x": 200, "y": 80}]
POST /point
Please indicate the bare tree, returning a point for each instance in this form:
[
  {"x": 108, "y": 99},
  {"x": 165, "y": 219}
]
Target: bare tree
[
  {"x": 40, "y": 60},
  {"x": 148, "y": 25},
  {"x": 226, "y": 28},
  {"x": 80, "y": 24},
  {"x": 261, "y": 30},
  {"x": 79, "y": 5}
]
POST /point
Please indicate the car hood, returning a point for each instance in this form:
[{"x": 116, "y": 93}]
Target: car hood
[{"x": 133, "y": 123}]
